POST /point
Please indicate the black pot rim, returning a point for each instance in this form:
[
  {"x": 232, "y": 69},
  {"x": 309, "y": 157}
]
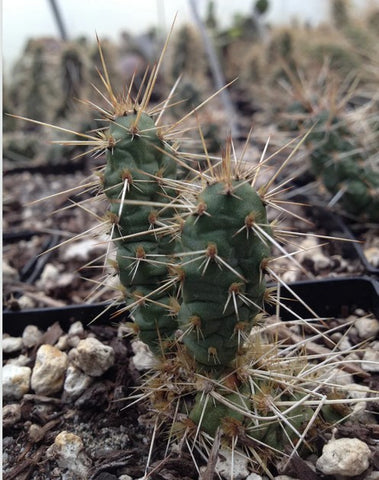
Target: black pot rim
[{"x": 327, "y": 297}]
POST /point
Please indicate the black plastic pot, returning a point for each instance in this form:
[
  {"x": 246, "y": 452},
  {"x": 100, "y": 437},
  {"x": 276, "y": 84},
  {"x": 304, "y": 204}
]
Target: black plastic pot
[{"x": 328, "y": 298}]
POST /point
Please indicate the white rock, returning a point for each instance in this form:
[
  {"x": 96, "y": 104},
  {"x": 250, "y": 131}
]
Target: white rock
[
  {"x": 341, "y": 377},
  {"x": 372, "y": 255},
  {"x": 344, "y": 456},
  {"x": 76, "y": 382},
  {"x": 253, "y": 476},
  {"x": 49, "y": 370},
  {"x": 9, "y": 273},
  {"x": 73, "y": 341},
  {"x": 11, "y": 414},
  {"x": 367, "y": 327},
  {"x": 62, "y": 343},
  {"x": 16, "y": 381},
  {"x": 372, "y": 476},
  {"x": 68, "y": 451},
  {"x": 125, "y": 477},
  {"x": 370, "y": 360},
  {"x": 49, "y": 275},
  {"x": 82, "y": 249},
  {"x": 76, "y": 329},
  {"x": 31, "y": 336},
  {"x": 26, "y": 302},
  {"x": 92, "y": 357},
  {"x": 357, "y": 391},
  {"x": 232, "y": 467},
  {"x": 143, "y": 358},
  {"x": 284, "y": 477},
  {"x": 12, "y": 344},
  {"x": 21, "y": 361}
]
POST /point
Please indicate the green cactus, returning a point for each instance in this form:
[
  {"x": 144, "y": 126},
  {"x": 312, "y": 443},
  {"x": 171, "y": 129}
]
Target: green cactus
[
  {"x": 194, "y": 285},
  {"x": 137, "y": 159},
  {"x": 223, "y": 287},
  {"x": 341, "y": 165}
]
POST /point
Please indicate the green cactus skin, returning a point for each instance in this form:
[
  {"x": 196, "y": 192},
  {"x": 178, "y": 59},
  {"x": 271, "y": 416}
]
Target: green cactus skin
[
  {"x": 336, "y": 162},
  {"x": 136, "y": 161},
  {"x": 224, "y": 285}
]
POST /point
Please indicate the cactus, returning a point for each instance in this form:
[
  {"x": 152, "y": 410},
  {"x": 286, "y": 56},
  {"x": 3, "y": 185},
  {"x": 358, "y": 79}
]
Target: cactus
[
  {"x": 137, "y": 159},
  {"x": 194, "y": 284},
  {"x": 224, "y": 285},
  {"x": 339, "y": 158},
  {"x": 339, "y": 163}
]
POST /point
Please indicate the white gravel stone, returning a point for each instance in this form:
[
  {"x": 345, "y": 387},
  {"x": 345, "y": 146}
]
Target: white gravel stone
[
  {"x": 370, "y": 360},
  {"x": 11, "y": 414},
  {"x": 12, "y": 344},
  {"x": 68, "y": 451},
  {"x": 76, "y": 382},
  {"x": 82, "y": 250},
  {"x": 9, "y": 273},
  {"x": 73, "y": 341},
  {"x": 232, "y": 467},
  {"x": 285, "y": 477},
  {"x": 62, "y": 343},
  {"x": 341, "y": 377},
  {"x": 16, "y": 381},
  {"x": 344, "y": 456},
  {"x": 31, "y": 336},
  {"x": 49, "y": 275},
  {"x": 253, "y": 476},
  {"x": 76, "y": 329},
  {"x": 92, "y": 357},
  {"x": 49, "y": 370},
  {"x": 26, "y": 302},
  {"x": 143, "y": 358},
  {"x": 21, "y": 361},
  {"x": 372, "y": 476},
  {"x": 367, "y": 327},
  {"x": 125, "y": 477}
]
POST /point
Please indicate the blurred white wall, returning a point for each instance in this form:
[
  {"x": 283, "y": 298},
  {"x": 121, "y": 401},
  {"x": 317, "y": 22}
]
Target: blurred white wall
[{"x": 23, "y": 19}]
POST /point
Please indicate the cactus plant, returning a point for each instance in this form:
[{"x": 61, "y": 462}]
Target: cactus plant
[
  {"x": 194, "y": 284},
  {"x": 339, "y": 158},
  {"x": 224, "y": 281},
  {"x": 137, "y": 159}
]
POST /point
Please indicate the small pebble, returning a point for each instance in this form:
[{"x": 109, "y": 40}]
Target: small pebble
[
  {"x": 16, "y": 381},
  {"x": 253, "y": 476},
  {"x": 232, "y": 467},
  {"x": 12, "y": 344},
  {"x": 73, "y": 341},
  {"x": 31, "y": 336},
  {"x": 344, "y": 456},
  {"x": 11, "y": 414},
  {"x": 25, "y": 302},
  {"x": 62, "y": 343},
  {"x": 370, "y": 360},
  {"x": 76, "y": 383},
  {"x": 49, "y": 370},
  {"x": 76, "y": 329},
  {"x": 367, "y": 327},
  {"x": 92, "y": 357},
  {"x": 143, "y": 358},
  {"x": 9, "y": 273},
  {"x": 68, "y": 451},
  {"x": 21, "y": 361}
]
